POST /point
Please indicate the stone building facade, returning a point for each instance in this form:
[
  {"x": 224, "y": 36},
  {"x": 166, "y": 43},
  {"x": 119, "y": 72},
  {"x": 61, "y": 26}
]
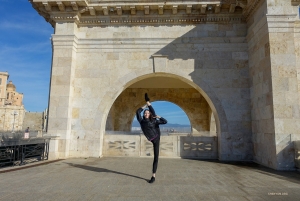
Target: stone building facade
[
  {"x": 3, "y": 81},
  {"x": 13, "y": 97},
  {"x": 11, "y": 105},
  {"x": 241, "y": 56}
]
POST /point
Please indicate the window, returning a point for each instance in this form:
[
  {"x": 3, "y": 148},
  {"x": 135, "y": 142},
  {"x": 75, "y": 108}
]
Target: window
[{"x": 0, "y": 81}]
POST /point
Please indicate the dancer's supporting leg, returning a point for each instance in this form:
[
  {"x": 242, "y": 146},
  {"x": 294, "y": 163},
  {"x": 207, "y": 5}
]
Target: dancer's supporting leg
[{"x": 155, "y": 143}]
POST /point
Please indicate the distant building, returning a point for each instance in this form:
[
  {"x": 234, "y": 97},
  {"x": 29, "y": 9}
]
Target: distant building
[
  {"x": 3, "y": 80},
  {"x": 13, "y": 98},
  {"x": 12, "y": 110}
]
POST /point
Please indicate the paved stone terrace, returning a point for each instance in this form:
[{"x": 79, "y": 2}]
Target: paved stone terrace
[{"x": 125, "y": 179}]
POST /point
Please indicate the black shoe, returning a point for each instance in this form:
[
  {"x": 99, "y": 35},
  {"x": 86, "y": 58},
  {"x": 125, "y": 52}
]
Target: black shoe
[
  {"x": 146, "y": 97},
  {"x": 152, "y": 180}
]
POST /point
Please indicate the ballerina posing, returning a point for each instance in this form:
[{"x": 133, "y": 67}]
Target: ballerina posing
[{"x": 150, "y": 127}]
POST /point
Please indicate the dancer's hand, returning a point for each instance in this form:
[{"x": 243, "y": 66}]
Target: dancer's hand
[{"x": 157, "y": 117}]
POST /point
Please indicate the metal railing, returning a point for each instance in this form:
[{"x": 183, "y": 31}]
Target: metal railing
[{"x": 19, "y": 152}]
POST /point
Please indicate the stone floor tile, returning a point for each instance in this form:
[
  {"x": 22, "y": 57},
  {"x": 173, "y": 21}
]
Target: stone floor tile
[{"x": 126, "y": 179}]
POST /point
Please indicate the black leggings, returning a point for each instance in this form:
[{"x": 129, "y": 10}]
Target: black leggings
[{"x": 155, "y": 143}]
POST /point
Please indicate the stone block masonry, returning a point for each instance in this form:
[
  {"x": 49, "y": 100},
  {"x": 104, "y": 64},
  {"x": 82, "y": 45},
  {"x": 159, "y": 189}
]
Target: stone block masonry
[{"x": 241, "y": 57}]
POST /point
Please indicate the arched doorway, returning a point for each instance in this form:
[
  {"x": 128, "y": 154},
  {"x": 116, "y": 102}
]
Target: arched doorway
[{"x": 197, "y": 144}]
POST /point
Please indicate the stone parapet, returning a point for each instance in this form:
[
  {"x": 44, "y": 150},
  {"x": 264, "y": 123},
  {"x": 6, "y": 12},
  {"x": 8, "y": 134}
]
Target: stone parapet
[{"x": 174, "y": 146}]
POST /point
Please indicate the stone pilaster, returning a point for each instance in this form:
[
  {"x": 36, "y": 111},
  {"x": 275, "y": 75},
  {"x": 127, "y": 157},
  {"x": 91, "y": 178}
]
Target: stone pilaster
[
  {"x": 60, "y": 103},
  {"x": 283, "y": 20},
  {"x": 273, "y": 47}
]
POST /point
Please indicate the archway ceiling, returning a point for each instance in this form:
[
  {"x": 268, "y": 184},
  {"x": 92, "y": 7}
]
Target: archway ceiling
[{"x": 160, "y": 82}]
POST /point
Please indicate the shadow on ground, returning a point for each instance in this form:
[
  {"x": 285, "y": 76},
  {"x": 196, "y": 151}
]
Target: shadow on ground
[
  {"x": 291, "y": 176},
  {"x": 98, "y": 169}
]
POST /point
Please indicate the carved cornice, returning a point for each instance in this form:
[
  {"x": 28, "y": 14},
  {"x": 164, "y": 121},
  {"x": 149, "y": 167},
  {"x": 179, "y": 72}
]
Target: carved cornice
[
  {"x": 160, "y": 20},
  {"x": 295, "y": 2},
  {"x": 130, "y": 12},
  {"x": 251, "y": 8}
]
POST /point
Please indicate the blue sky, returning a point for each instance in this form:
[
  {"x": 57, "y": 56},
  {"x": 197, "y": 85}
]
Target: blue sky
[
  {"x": 171, "y": 112},
  {"x": 26, "y": 53}
]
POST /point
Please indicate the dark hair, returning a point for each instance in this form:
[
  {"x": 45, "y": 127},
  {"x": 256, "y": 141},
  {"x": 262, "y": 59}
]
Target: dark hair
[{"x": 150, "y": 117}]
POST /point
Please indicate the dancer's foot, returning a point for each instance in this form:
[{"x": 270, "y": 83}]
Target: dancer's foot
[
  {"x": 147, "y": 99},
  {"x": 152, "y": 180}
]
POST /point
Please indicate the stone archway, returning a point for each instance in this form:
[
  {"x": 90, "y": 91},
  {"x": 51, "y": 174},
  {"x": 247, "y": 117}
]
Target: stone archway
[
  {"x": 215, "y": 107},
  {"x": 132, "y": 78},
  {"x": 188, "y": 99}
]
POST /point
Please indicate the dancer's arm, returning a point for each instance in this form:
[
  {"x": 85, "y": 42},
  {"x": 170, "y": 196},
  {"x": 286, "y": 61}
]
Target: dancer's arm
[
  {"x": 138, "y": 113},
  {"x": 151, "y": 109},
  {"x": 161, "y": 120}
]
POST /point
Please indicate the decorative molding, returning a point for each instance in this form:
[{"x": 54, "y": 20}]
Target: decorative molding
[
  {"x": 119, "y": 10},
  {"x": 92, "y": 10},
  {"x": 174, "y": 9},
  {"x": 203, "y": 8},
  {"x": 74, "y": 5},
  {"x": 232, "y": 8},
  {"x": 160, "y": 10},
  {"x": 133, "y": 10},
  {"x": 251, "y": 8},
  {"x": 85, "y": 21},
  {"x": 295, "y": 2},
  {"x": 188, "y": 9},
  {"x": 147, "y": 10},
  {"x": 105, "y": 10},
  {"x": 61, "y": 6},
  {"x": 99, "y": 12},
  {"x": 217, "y": 8},
  {"x": 47, "y": 7}
]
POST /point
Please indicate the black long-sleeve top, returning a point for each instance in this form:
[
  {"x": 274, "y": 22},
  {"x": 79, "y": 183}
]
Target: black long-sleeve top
[{"x": 149, "y": 127}]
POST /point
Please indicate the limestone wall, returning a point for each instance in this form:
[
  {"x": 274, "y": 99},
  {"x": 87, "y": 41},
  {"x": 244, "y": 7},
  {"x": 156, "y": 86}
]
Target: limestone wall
[
  {"x": 190, "y": 101},
  {"x": 33, "y": 120},
  {"x": 93, "y": 65},
  {"x": 283, "y": 26},
  {"x": 274, "y": 63},
  {"x": 261, "y": 88},
  {"x": 8, "y": 120}
]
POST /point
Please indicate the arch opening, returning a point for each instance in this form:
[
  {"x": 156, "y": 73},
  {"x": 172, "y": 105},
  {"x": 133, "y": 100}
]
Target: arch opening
[
  {"x": 201, "y": 142},
  {"x": 175, "y": 91}
]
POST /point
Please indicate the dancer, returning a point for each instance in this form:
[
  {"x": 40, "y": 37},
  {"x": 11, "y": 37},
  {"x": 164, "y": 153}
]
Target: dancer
[{"x": 150, "y": 127}]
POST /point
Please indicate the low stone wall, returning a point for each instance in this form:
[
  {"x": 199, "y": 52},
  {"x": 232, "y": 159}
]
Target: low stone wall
[
  {"x": 33, "y": 120},
  {"x": 201, "y": 147}
]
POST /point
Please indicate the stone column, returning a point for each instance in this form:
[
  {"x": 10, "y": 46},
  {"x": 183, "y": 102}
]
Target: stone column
[
  {"x": 60, "y": 103},
  {"x": 283, "y": 22},
  {"x": 274, "y": 53}
]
